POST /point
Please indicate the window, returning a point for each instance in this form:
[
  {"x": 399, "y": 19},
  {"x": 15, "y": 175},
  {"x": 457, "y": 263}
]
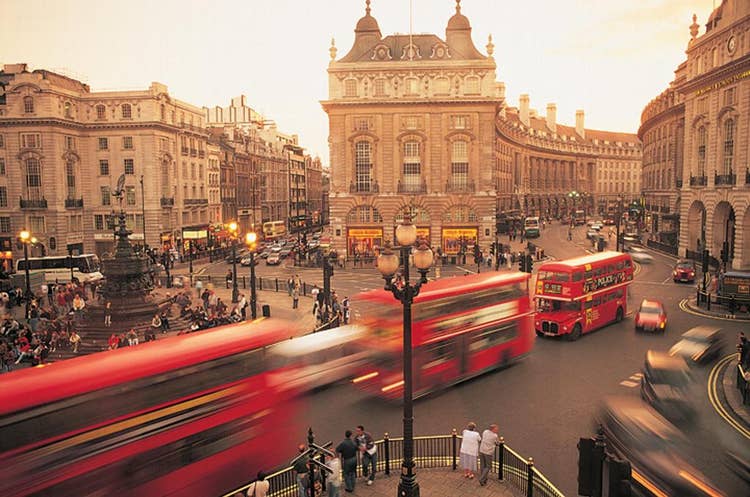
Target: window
[
  {"x": 350, "y": 88},
  {"x": 701, "y": 151},
  {"x": 412, "y": 178},
  {"x": 127, "y": 142},
  {"x": 31, "y": 140},
  {"x": 106, "y": 195},
  {"x": 379, "y": 87},
  {"x": 442, "y": 86},
  {"x": 163, "y": 144},
  {"x": 163, "y": 113},
  {"x": 728, "y": 145},
  {"x": 37, "y": 224},
  {"x": 129, "y": 166},
  {"x": 459, "y": 122},
  {"x": 459, "y": 165},
  {"x": 75, "y": 223},
  {"x": 28, "y": 105},
  {"x": 192, "y": 170},
  {"x": 411, "y": 122},
  {"x": 104, "y": 167},
  {"x": 103, "y": 144},
  {"x": 99, "y": 222},
  {"x": 363, "y": 166},
  {"x": 67, "y": 110},
  {"x": 70, "y": 179},
  {"x": 362, "y": 124},
  {"x": 33, "y": 179},
  {"x": 412, "y": 86},
  {"x": 70, "y": 143},
  {"x": 729, "y": 96},
  {"x": 472, "y": 85},
  {"x": 4, "y": 225},
  {"x": 101, "y": 112},
  {"x": 127, "y": 113},
  {"x": 2, "y": 166},
  {"x": 130, "y": 195},
  {"x": 2, "y": 141},
  {"x": 3, "y": 196}
]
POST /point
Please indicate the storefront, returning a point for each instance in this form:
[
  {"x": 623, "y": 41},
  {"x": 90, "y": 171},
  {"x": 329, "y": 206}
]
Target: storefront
[
  {"x": 456, "y": 240},
  {"x": 167, "y": 240},
  {"x": 104, "y": 243},
  {"x": 195, "y": 235},
  {"x": 6, "y": 254},
  {"x": 75, "y": 248},
  {"x": 364, "y": 241}
]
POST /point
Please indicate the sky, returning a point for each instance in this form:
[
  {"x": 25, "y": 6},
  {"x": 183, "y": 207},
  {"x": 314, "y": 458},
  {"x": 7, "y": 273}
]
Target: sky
[{"x": 607, "y": 57}]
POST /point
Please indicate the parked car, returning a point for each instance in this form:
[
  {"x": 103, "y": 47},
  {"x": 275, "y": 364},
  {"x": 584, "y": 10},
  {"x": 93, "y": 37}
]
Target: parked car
[
  {"x": 665, "y": 385},
  {"x": 592, "y": 234},
  {"x": 700, "y": 345},
  {"x": 273, "y": 259},
  {"x": 651, "y": 316},
  {"x": 238, "y": 256},
  {"x": 684, "y": 270},
  {"x": 246, "y": 261}
]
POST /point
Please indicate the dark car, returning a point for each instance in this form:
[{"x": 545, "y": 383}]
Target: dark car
[
  {"x": 665, "y": 385},
  {"x": 651, "y": 316},
  {"x": 653, "y": 445},
  {"x": 684, "y": 270},
  {"x": 699, "y": 345}
]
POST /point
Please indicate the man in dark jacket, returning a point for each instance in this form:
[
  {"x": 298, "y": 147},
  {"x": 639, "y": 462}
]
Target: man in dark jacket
[{"x": 347, "y": 449}]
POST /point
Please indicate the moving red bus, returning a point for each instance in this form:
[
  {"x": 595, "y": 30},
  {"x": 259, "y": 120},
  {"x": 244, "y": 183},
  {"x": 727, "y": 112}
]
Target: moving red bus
[
  {"x": 461, "y": 327},
  {"x": 579, "y": 295},
  {"x": 193, "y": 415}
]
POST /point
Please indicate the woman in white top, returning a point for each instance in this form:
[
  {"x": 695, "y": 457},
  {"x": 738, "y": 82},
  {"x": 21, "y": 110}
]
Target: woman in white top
[
  {"x": 259, "y": 488},
  {"x": 470, "y": 449}
]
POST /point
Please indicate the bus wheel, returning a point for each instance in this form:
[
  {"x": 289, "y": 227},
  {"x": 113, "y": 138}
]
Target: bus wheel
[
  {"x": 618, "y": 316},
  {"x": 539, "y": 333},
  {"x": 576, "y": 333}
]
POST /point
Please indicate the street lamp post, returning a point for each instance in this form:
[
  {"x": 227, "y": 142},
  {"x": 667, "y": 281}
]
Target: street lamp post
[
  {"x": 388, "y": 263},
  {"x": 143, "y": 213},
  {"x": 574, "y": 195},
  {"x": 250, "y": 239},
  {"x": 619, "y": 220},
  {"x": 25, "y": 238},
  {"x": 233, "y": 227}
]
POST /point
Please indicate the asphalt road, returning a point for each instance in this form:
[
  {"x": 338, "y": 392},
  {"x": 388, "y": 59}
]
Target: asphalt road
[{"x": 545, "y": 403}]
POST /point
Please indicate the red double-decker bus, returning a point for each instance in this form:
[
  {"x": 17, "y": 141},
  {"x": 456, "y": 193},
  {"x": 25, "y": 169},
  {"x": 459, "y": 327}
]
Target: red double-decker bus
[
  {"x": 185, "y": 416},
  {"x": 461, "y": 327},
  {"x": 578, "y": 295}
]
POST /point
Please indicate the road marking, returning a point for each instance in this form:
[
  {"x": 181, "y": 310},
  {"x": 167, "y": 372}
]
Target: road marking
[
  {"x": 713, "y": 396},
  {"x": 629, "y": 384},
  {"x": 669, "y": 278},
  {"x": 684, "y": 308},
  {"x": 636, "y": 376}
]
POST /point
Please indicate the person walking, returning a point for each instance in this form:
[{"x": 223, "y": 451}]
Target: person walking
[
  {"x": 487, "y": 452},
  {"x": 229, "y": 278},
  {"x": 290, "y": 285},
  {"x": 366, "y": 446},
  {"x": 198, "y": 288},
  {"x": 260, "y": 487},
  {"x": 347, "y": 449},
  {"x": 108, "y": 314},
  {"x": 314, "y": 294},
  {"x": 300, "y": 471},
  {"x": 295, "y": 297},
  {"x": 242, "y": 306},
  {"x": 470, "y": 439}
]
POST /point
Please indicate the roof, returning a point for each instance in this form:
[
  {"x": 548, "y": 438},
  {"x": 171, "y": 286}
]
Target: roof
[
  {"x": 703, "y": 332},
  {"x": 662, "y": 360},
  {"x": 580, "y": 261}
]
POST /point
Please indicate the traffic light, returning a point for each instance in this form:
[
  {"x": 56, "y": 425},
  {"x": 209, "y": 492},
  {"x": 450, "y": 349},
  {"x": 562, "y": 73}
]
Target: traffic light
[
  {"x": 586, "y": 467},
  {"x": 522, "y": 263},
  {"x": 492, "y": 248},
  {"x": 619, "y": 478},
  {"x": 529, "y": 263}
]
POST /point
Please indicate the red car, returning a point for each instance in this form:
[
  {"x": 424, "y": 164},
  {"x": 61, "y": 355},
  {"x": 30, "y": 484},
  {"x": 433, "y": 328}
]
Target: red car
[
  {"x": 684, "y": 271},
  {"x": 651, "y": 316}
]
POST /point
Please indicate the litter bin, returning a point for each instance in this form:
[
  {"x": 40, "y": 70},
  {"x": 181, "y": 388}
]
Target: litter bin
[{"x": 266, "y": 310}]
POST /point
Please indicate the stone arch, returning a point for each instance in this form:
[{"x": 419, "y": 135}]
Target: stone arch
[
  {"x": 696, "y": 226},
  {"x": 460, "y": 214},
  {"x": 723, "y": 224},
  {"x": 364, "y": 214},
  {"x": 419, "y": 215}
]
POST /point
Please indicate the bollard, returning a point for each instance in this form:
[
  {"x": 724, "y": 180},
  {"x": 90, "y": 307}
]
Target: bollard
[
  {"x": 501, "y": 459},
  {"x": 387, "y": 450},
  {"x": 708, "y": 301},
  {"x": 304, "y": 289},
  {"x": 277, "y": 284},
  {"x": 454, "y": 442},
  {"x": 260, "y": 283},
  {"x": 530, "y": 477},
  {"x": 244, "y": 283}
]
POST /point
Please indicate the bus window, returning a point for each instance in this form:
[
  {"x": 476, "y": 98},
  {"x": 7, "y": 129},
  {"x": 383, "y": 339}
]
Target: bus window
[
  {"x": 588, "y": 304},
  {"x": 577, "y": 276},
  {"x": 485, "y": 339},
  {"x": 597, "y": 301},
  {"x": 437, "y": 353}
]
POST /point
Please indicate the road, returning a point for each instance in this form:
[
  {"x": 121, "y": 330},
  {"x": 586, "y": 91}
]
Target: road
[{"x": 545, "y": 403}]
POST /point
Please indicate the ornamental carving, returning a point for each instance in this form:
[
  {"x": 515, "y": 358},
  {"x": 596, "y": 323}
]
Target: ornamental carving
[
  {"x": 440, "y": 51},
  {"x": 381, "y": 52}
]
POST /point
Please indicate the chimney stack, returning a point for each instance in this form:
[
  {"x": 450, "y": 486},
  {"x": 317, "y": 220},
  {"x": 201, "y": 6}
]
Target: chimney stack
[
  {"x": 580, "y": 130},
  {"x": 552, "y": 117},
  {"x": 524, "y": 109}
]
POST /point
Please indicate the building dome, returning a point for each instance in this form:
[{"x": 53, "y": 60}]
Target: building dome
[
  {"x": 367, "y": 24},
  {"x": 458, "y": 21}
]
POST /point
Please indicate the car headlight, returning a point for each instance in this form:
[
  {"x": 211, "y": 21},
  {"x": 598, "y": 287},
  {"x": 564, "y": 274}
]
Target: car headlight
[{"x": 674, "y": 273}]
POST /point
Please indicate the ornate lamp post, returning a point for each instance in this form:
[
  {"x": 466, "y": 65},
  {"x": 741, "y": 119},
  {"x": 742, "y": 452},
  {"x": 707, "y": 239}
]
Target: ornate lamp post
[
  {"x": 26, "y": 238},
  {"x": 619, "y": 220},
  {"x": 251, "y": 241},
  {"x": 388, "y": 263},
  {"x": 574, "y": 195},
  {"x": 233, "y": 227}
]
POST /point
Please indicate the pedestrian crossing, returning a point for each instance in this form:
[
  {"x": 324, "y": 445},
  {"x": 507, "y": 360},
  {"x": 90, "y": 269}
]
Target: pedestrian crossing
[{"x": 633, "y": 381}]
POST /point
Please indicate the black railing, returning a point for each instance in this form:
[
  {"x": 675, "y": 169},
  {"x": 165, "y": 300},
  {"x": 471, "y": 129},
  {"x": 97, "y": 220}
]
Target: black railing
[
  {"x": 73, "y": 203},
  {"x": 196, "y": 201},
  {"x": 662, "y": 247},
  {"x": 364, "y": 188},
  {"x": 455, "y": 186},
  {"x": 439, "y": 451},
  {"x": 743, "y": 384},
  {"x": 412, "y": 187},
  {"x": 725, "y": 179},
  {"x": 698, "y": 180},
  {"x": 201, "y": 154},
  {"x": 39, "y": 203},
  {"x": 184, "y": 150},
  {"x": 167, "y": 201},
  {"x": 193, "y": 152}
]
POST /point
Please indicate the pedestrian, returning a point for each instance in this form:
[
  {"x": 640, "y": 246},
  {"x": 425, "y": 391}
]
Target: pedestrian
[
  {"x": 295, "y": 297},
  {"x": 334, "y": 479},
  {"x": 300, "y": 470},
  {"x": 108, "y": 314},
  {"x": 487, "y": 452},
  {"x": 156, "y": 323},
  {"x": 369, "y": 450},
  {"x": 133, "y": 337},
  {"x": 743, "y": 347},
  {"x": 198, "y": 288},
  {"x": 242, "y": 306},
  {"x": 75, "y": 340},
  {"x": 260, "y": 487},
  {"x": 470, "y": 439},
  {"x": 321, "y": 300},
  {"x": 290, "y": 285},
  {"x": 314, "y": 294},
  {"x": 347, "y": 449},
  {"x": 345, "y": 309},
  {"x": 164, "y": 322},
  {"x": 113, "y": 341},
  {"x": 229, "y": 278}
]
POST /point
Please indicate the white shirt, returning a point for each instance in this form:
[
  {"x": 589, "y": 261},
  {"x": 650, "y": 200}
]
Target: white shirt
[
  {"x": 470, "y": 442},
  {"x": 259, "y": 487},
  {"x": 334, "y": 478},
  {"x": 489, "y": 439}
]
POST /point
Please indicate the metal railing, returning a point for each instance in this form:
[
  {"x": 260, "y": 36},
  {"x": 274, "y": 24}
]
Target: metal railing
[
  {"x": 167, "y": 201},
  {"x": 73, "y": 203},
  {"x": 364, "y": 187},
  {"x": 743, "y": 385},
  {"x": 439, "y": 451},
  {"x": 40, "y": 203},
  {"x": 196, "y": 201},
  {"x": 698, "y": 180},
  {"x": 663, "y": 247},
  {"x": 460, "y": 186},
  {"x": 725, "y": 179}
]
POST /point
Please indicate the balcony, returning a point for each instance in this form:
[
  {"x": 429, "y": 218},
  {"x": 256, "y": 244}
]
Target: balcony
[
  {"x": 74, "y": 203},
  {"x": 725, "y": 179},
  {"x": 412, "y": 187},
  {"x": 34, "y": 203},
  {"x": 193, "y": 152},
  {"x": 679, "y": 183},
  {"x": 184, "y": 150},
  {"x": 460, "y": 186},
  {"x": 167, "y": 201},
  {"x": 201, "y": 154},
  {"x": 364, "y": 188},
  {"x": 196, "y": 201},
  {"x": 698, "y": 180}
]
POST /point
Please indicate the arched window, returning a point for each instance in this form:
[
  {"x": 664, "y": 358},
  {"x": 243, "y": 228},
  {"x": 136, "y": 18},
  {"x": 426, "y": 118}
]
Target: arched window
[
  {"x": 702, "y": 151},
  {"x": 127, "y": 112},
  {"x": 70, "y": 179},
  {"x": 67, "y": 110},
  {"x": 363, "y": 166},
  {"x": 459, "y": 178},
  {"x": 33, "y": 180},
  {"x": 412, "y": 168},
  {"x": 101, "y": 112},
  {"x": 364, "y": 214},
  {"x": 28, "y": 105},
  {"x": 728, "y": 145}
]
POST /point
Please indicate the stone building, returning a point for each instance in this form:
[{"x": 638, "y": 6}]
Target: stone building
[
  {"x": 63, "y": 148},
  {"x": 314, "y": 177},
  {"x": 710, "y": 101}
]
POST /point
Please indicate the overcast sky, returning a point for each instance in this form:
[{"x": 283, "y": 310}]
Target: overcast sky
[{"x": 608, "y": 57}]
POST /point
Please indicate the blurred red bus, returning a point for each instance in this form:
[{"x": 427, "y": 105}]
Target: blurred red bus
[
  {"x": 461, "y": 327},
  {"x": 190, "y": 415},
  {"x": 578, "y": 295}
]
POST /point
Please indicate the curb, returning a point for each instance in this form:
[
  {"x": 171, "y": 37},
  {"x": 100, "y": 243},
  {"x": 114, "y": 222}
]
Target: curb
[
  {"x": 717, "y": 315},
  {"x": 729, "y": 382}
]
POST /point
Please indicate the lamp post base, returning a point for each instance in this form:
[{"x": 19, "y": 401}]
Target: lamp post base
[{"x": 408, "y": 486}]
